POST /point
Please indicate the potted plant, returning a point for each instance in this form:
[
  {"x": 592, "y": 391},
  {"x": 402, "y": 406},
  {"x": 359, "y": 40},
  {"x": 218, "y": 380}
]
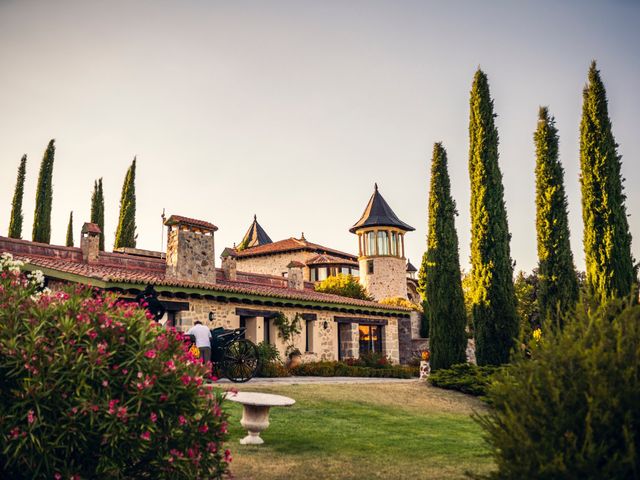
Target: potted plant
[{"x": 287, "y": 330}]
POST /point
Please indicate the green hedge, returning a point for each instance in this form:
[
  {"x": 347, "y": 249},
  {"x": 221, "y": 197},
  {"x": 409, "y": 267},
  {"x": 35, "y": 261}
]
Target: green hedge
[
  {"x": 340, "y": 369},
  {"x": 465, "y": 378}
]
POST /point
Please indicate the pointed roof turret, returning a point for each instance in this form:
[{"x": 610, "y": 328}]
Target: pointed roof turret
[
  {"x": 410, "y": 267},
  {"x": 378, "y": 213},
  {"x": 255, "y": 236}
]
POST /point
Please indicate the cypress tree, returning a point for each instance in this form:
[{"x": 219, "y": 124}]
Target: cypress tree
[
  {"x": 493, "y": 298},
  {"x": 97, "y": 209},
  {"x": 607, "y": 241},
  {"x": 126, "y": 231},
  {"x": 15, "y": 224},
  {"x": 70, "y": 231},
  {"x": 44, "y": 197},
  {"x": 557, "y": 279},
  {"x": 439, "y": 276}
]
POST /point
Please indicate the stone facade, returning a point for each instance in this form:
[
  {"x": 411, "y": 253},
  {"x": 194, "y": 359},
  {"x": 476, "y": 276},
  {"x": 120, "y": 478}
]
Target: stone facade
[
  {"x": 190, "y": 255},
  {"x": 323, "y": 342},
  {"x": 389, "y": 277},
  {"x": 275, "y": 264}
]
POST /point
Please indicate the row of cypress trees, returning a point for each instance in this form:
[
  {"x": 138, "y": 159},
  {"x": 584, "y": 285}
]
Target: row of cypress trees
[
  {"x": 607, "y": 241},
  {"x": 125, "y": 233}
]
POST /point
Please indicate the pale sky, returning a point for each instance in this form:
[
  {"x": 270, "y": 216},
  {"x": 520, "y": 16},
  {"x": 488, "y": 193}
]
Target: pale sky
[{"x": 293, "y": 109}]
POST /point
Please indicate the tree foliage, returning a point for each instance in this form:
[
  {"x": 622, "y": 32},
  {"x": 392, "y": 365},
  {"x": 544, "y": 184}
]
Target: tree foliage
[
  {"x": 126, "y": 231},
  {"x": 44, "y": 197},
  {"x": 343, "y": 285},
  {"x": 69, "y": 242},
  {"x": 558, "y": 284},
  {"x": 494, "y": 311},
  {"x": 607, "y": 240},
  {"x": 15, "y": 224},
  {"x": 439, "y": 276},
  {"x": 572, "y": 410},
  {"x": 97, "y": 209}
]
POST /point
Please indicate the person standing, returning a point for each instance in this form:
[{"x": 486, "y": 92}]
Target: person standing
[{"x": 203, "y": 340}]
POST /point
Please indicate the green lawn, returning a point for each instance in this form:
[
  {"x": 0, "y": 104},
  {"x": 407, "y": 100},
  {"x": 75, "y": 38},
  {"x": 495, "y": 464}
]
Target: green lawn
[{"x": 390, "y": 431}]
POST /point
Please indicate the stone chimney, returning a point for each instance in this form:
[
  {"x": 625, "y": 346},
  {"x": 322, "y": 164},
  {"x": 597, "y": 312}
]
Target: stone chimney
[
  {"x": 190, "y": 250},
  {"x": 90, "y": 242},
  {"x": 295, "y": 278},
  {"x": 229, "y": 264}
]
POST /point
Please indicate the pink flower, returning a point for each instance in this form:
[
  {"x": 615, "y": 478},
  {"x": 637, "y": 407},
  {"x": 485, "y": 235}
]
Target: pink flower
[
  {"x": 92, "y": 335},
  {"x": 182, "y": 420},
  {"x": 186, "y": 379},
  {"x": 112, "y": 406},
  {"x": 14, "y": 433},
  {"x": 102, "y": 347},
  {"x": 203, "y": 428},
  {"x": 105, "y": 383},
  {"x": 227, "y": 456},
  {"x": 31, "y": 417},
  {"x": 145, "y": 436},
  {"x": 122, "y": 413},
  {"x": 211, "y": 447},
  {"x": 150, "y": 354},
  {"x": 164, "y": 397},
  {"x": 57, "y": 476},
  {"x": 170, "y": 365},
  {"x": 153, "y": 417}
]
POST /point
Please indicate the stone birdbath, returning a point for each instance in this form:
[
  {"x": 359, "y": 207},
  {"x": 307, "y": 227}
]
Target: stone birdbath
[{"x": 255, "y": 414}]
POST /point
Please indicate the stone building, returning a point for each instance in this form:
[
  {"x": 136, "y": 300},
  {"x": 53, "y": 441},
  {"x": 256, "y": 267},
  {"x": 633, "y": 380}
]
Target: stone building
[{"x": 252, "y": 285}]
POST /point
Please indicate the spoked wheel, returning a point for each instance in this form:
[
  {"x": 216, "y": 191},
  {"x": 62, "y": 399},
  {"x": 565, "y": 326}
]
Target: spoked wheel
[{"x": 240, "y": 361}]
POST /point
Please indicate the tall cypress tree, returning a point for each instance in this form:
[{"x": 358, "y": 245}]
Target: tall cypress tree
[
  {"x": 494, "y": 305},
  {"x": 70, "y": 231},
  {"x": 439, "y": 277},
  {"x": 44, "y": 197},
  {"x": 15, "y": 224},
  {"x": 126, "y": 232},
  {"x": 97, "y": 209},
  {"x": 607, "y": 241},
  {"x": 557, "y": 280}
]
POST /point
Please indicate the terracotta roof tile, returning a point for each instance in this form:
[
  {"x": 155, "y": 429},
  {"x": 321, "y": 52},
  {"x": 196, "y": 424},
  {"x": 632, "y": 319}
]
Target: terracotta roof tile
[
  {"x": 291, "y": 245},
  {"x": 192, "y": 222},
  {"x": 324, "y": 259}
]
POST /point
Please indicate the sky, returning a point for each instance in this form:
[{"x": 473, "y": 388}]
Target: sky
[{"x": 291, "y": 110}]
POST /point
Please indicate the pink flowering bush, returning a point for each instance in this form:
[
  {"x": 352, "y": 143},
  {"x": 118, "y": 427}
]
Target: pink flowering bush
[{"x": 91, "y": 388}]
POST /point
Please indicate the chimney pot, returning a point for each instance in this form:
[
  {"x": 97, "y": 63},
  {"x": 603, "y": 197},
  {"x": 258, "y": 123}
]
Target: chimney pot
[{"x": 90, "y": 242}]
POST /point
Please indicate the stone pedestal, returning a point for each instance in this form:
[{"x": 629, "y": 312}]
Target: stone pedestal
[{"x": 425, "y": 369}]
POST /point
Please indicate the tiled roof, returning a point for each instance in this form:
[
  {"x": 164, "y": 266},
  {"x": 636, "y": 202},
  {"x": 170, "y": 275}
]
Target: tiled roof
[
  {"x": 192, "y": 222},
  {"x": 324, "y": 259},
  {"x": 139, "y": 277},
  {"x": 410, "y": 267},
  {"x": 137, "y": 271},
  {"x": 90, "y": 228},
  {"x": 379, "y": 213},
  {"x": 291, "y": 245}
]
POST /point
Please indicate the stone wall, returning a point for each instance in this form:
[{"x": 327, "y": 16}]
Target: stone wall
[
  {"x": 275, "y": 264},
  {"x": 389, "y": 277},
  {"x": 324, "y": 342},
  {"x": 191, "y": 256}
]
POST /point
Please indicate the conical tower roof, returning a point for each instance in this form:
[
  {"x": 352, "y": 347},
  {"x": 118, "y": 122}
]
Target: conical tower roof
[
  {"x": 255, "y": 236},
  {"x": 379, "y": 214}
]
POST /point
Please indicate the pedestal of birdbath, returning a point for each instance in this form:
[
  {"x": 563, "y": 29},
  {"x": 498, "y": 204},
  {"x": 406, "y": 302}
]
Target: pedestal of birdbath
[{"x": 255, "y": 412}]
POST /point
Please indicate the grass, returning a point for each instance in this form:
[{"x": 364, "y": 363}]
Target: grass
[{"x": 363, "y": 431}]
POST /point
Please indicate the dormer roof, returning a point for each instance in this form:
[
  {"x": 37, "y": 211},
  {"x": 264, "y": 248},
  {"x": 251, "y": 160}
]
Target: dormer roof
[
  {"x": 378, "y": 213},
  {"x": 255, "y": 236}
]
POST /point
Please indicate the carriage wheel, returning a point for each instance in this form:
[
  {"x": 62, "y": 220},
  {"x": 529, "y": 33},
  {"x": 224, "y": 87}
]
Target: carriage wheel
[{"x": 241, "y": 360}]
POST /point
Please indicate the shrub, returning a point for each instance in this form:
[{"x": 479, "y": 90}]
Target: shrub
[
  {"x": 90, "y": 388},
  {"x": 371, "y": 360},
  {"x": 270, "y": 363},
  {"x": 343, "y": 285},
  {"x": 401, "y": 302},
  {"x": 465, "y": 378},
  {"x": 573, "y": 409},
  {"x": 341, "y": 369}
]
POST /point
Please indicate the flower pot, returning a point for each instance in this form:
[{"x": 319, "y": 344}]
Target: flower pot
[
  {"x": 294, "y": 361},
  {"x": 425, "y": 369}
]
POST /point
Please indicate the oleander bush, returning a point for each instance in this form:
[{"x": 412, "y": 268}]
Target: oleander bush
[
  {"x": 465, "y": 378},
  {"x": 573, "y": 409},
  {"x": 91, "y": 388}
]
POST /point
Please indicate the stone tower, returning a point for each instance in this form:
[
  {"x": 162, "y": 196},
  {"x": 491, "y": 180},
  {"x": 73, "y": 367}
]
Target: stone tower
[
  {"x": 381, "y": 249},
  {"x": 190, "y": 250}
]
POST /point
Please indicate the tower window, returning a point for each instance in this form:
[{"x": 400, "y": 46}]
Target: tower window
[
  {"x": 394, "y": 244},
  {"x": 383, "y": 242},
  {"x": 369, "y": 267},
  {"x": 371, "y": 243}
]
